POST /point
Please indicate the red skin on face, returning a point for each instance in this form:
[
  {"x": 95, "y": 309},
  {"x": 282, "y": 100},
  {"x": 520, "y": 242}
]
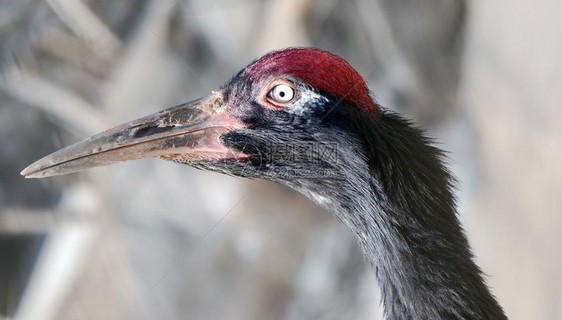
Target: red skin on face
[{"x": 319, "y": 69}]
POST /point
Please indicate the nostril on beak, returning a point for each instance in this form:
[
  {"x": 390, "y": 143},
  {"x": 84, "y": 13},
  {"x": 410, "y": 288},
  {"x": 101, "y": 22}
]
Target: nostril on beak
[{"x": 147, "y": 131}]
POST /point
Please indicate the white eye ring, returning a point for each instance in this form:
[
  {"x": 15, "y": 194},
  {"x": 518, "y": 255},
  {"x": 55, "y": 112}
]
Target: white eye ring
[{"x": 282, "y": 93}]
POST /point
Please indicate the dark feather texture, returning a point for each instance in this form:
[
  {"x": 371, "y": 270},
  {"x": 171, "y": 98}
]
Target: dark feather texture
[
  {"x": 388, "y": 184},
  {"x": 426, "y": 269},
  {"x": 385, "y": 180},
  {"x": 325, "y": 137}
]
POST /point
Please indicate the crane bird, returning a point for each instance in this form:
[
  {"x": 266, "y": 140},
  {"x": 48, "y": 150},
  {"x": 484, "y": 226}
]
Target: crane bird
[{"x": 304, "y": 118}]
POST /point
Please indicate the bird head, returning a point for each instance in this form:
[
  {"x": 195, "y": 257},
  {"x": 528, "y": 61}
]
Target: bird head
[
  {"x": 285, "y": 116},
  {"x": 304, "y": 118}
]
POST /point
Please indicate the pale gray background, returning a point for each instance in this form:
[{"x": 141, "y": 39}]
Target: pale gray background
[{"x": 157, "y": 240}]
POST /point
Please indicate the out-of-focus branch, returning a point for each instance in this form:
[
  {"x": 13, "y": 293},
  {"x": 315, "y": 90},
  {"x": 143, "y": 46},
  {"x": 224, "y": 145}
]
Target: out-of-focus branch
[
  {"x": 290, "y": 14},
  {"x": 74, "y": 113},
  {"x": 382, "y": 40},
  {"x": 72, "y": 50},
  {"x": 82, "y": 21},
  {"x": 141, "y": 60}
]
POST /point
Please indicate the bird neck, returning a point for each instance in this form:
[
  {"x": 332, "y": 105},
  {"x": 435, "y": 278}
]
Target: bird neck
[{"x": 397, "y": 199}]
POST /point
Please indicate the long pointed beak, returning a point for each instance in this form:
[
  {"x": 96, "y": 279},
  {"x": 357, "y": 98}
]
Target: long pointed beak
[{"x": 185, "y": 133}]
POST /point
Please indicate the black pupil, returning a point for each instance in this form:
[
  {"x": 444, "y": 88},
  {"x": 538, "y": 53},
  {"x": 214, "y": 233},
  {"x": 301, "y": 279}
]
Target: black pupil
[{"x": 282, "y": 94}]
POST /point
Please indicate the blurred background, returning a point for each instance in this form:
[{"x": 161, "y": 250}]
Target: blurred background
[{"x": 157, "y": 240}]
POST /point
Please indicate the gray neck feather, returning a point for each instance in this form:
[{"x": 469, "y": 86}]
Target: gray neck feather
[{"x": 424, "y": 272}]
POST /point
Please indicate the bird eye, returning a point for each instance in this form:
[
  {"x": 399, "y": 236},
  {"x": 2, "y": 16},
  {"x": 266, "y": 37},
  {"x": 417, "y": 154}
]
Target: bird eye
[{"x": 282, "y": 93}]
